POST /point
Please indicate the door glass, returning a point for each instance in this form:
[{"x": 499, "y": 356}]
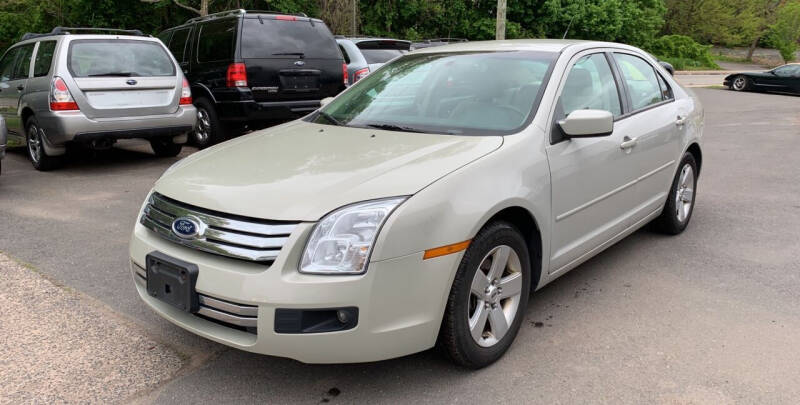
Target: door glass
[
  {"x": 178, "y": 43},
  {"x": 590, "y": 85},
  {"x": 22, "y": 67},
  {"x": 783, "y": 71},
  {"x": 666, "y": 91},
  {"x": 7, "y": 64},
  {"x": 641, "y": 80},
  {"x": 215, "y": 41},
  {"x": 44, "y": 58}
]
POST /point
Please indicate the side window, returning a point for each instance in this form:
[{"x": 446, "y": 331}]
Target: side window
[
  {"x": 215, "y": 41},
  {"x": 44, "y": 58},
  {"x": 7, "y": 64},
  {"x": 590, "y": 85},
  {"x": 784, "y": 71},
  {"x": 22, "y": 67},
  {"x": 666, "y": 91},
  {"x": 641, "y": 80},
  {"x": 178, "y": 43}
]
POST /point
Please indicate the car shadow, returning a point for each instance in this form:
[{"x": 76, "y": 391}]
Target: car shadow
[{"x": 278, "y": 379}]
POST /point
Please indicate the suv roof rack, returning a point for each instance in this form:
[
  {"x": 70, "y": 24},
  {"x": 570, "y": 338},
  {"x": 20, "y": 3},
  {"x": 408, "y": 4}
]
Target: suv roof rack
[
  {"x": 70, "y": 30},
  {"x": 238, "y": 12}
]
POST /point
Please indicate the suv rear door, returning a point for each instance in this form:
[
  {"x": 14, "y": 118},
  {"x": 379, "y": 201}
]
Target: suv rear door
[
  {"x": 290, "y": 58},
  {"x": 14, "y": 71},
  {"x": 123, "y": 77}
]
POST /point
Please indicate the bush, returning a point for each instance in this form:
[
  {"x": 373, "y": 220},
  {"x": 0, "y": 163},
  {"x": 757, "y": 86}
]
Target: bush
[{"x": 683, "y": 52}]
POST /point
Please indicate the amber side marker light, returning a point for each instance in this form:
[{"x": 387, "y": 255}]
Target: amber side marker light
[{"x": 445, "y": 250}]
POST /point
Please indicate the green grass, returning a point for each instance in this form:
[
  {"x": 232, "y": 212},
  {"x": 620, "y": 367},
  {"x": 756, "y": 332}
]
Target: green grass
[
  {"x": 725, "y": 58},
  {"x": 689, "y": 64}
]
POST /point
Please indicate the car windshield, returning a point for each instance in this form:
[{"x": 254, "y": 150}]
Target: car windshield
[
  {"x": 116, "y": 57},
  {"x": 476, "y": 93}
]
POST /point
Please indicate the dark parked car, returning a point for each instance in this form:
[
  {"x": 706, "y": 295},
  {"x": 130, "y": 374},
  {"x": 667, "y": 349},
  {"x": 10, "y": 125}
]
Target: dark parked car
[
  {"x": 255, "y": 67},
  {"x": 784, "y": 79},
  {"x": 3, "y": 140},
  {"x": 364, "y": 55}
]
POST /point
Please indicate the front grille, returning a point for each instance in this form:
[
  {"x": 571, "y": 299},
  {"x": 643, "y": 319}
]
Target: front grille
[
  {"x": 222, "y": 234},
  {"x": 243, "y": 317}
]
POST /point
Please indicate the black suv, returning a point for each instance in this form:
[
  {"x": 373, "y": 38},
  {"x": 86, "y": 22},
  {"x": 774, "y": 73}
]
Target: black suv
[{"x": 255, "y": 67}]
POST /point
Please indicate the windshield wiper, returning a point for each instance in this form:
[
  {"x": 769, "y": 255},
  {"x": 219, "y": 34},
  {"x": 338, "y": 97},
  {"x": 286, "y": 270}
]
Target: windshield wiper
[
  {"x": 300, "y": 54},
  {"x": 330, "y": 118},
  {"x": 393, "y": 127},
  {"x": 115, "y": 74}
]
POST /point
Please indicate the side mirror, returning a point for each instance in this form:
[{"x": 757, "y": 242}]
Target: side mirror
[
  {"x": 588, "y": 123},
  {"x": 325, "y": 101}
]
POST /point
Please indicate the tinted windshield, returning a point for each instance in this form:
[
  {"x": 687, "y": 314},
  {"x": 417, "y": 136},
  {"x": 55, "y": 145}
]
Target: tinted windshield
[
  {"x": 381, "y": 55},
  {"x": 268, "y": 38},
  {"x": 450, "y": 93},
  {"x": 116, "y": 57}
]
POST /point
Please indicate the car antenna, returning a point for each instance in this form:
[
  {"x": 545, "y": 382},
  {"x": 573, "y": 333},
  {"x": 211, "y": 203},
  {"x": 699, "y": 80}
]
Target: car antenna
[{"x": 568, "y": 25}]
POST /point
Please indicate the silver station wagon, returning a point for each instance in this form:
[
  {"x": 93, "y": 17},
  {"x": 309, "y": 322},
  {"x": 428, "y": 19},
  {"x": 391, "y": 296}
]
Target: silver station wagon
[
  {"x": 422, "y": 205},
  {"x": 72, "y": 86}
]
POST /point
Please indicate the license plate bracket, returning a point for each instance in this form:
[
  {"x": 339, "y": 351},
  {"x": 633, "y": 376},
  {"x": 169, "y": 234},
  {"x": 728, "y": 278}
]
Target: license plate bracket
[{"x": 173, "y": 281}]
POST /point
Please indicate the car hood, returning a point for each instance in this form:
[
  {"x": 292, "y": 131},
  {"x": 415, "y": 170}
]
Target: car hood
[{"x": 300, "y": 171}]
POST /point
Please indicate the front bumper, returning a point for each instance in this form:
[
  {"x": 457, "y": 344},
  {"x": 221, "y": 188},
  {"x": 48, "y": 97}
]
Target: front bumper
[
  {"x": 400, "y": 301},
  {"x": 63, "y": 126}
]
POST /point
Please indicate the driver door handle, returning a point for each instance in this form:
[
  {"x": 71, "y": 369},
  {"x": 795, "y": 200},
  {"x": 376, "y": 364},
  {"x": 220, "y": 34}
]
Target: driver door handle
[
  {"x": 680, "y": 120},
  {"x": 20, "y": 87},
  {"x": 628, "y": 142}
]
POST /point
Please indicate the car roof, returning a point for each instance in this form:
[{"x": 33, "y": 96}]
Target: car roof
[
  {"x": 547, "y": 45},
  {"x": 83, "y": 36}
]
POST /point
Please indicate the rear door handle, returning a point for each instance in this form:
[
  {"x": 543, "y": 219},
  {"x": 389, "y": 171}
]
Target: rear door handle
[
  {"x": 628, "y": 142},
  {"x": 680, "y": 121}
]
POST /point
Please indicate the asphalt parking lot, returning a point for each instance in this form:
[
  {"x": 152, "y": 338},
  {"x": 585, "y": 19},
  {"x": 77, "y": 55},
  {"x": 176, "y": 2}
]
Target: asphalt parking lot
[{"x": 711, "y": 316}]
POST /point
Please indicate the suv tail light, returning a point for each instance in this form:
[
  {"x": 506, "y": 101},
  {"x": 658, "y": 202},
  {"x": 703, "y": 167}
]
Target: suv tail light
[
  {"x": 237, "y": 75},
  {"x": 60, "y": 97},
  {"x": 360, "y": 74},
  {"x": 344, "y": 73},
  {"x": 186, "y": 93}
]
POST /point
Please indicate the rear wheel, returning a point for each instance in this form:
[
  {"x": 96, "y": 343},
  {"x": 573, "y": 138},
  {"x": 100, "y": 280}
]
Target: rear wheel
[
  {"x": 488, "y": 299},
  {"x": 36, "y": 152},
  {"x": 209, "y": 129},
  {"x": 740, "y": 83},
  {"x": 680, "y": 202},
  {"x": 165, "y": 147}
]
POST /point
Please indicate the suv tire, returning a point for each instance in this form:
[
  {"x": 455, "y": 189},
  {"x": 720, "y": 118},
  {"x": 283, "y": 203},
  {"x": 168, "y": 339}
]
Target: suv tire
[
  {"x": 468, "y": 333},
  {"x": 165, "y": 147},
  {"x": 209, "y": 129},
  {"x": 35, "y": 147}
]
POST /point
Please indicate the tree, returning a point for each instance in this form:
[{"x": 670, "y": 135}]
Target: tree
[
  {"x": 785, "y": 32},
  {"x": 200, "y": 9}
]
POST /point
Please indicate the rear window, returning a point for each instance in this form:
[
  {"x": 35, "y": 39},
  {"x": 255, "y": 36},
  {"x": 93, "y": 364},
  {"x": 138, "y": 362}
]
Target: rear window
[
  {"x": 102, "y": 57},
  {"x": 381, "y": 55},
  {"x": 268, "y": 38}
]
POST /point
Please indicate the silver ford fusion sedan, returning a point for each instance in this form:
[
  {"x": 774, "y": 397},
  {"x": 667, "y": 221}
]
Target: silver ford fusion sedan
[{"x": 423, "y": 205}]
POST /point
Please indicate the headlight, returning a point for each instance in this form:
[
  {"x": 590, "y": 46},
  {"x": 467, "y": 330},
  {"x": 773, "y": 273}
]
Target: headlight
[{"x": 342, "y": 241}]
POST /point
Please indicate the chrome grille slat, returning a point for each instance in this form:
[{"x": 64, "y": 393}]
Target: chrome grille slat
[
  {"x": 236, "y": 309},
  {"x": 252, "y": 241},
  {"x": 228, "y": 318}
]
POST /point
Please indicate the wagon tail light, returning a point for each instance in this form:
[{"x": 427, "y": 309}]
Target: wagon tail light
[
  {"x": 237, "y": 75},
  {"x": 186, "y": 93},
  {"x": 344, "y": 73},
  {"x": 60, "y": 97},
  {"x": 360, "y": 74}
]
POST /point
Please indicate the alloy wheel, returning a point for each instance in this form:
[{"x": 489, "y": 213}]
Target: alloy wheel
[
  {"x": 739, "y": 83},
  {"x": 34, "y": 144},
  {"x": 203, "y": 131},
  {"x": 684, "y": 195},
  {"x": 494, "y": 296}
]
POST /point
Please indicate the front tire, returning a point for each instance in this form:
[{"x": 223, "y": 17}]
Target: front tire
[
  {"x": 741, "y": 83},
  {"x": 35, "y": 147},
  {"x": 488, "y": 298},
  {"x": 165, "y": 147},
  {"x": 680, "y": 202}
]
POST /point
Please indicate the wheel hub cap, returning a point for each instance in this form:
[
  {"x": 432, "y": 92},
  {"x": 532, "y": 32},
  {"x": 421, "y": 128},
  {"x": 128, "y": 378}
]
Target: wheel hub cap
[
  {"x": 684, "y": 195},
  {"x": 494, "y": 296}
]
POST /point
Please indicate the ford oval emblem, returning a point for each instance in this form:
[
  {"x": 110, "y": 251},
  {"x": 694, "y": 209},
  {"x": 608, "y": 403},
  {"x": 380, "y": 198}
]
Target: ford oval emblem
[
  {"x": 299, "y": 63},
  {"x": 186, "y": 228},
  {"x": 132, "y": 82}
]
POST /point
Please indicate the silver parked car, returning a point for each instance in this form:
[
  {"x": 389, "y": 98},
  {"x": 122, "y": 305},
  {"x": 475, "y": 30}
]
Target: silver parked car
[
  {"x": 365, "y": 55},
  {"x": 94, "y": 89},
  {"x": 423, "y": 204},
  {"x": 3, "y": 140}
]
